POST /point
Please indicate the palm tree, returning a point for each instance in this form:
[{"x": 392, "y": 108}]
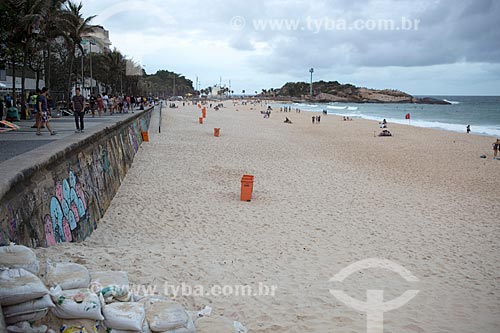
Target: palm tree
[
  {"x": 55, "y": 24},
  {"x": 28, "y": 14},
  {"x": 77, "y": 27}
]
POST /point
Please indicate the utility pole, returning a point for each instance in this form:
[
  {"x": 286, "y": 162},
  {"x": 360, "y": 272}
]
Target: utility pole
[
  {"x": 91, "y": 77},
  {"x": 173, "y": 91},
  {"x": 311, "y": 88}
]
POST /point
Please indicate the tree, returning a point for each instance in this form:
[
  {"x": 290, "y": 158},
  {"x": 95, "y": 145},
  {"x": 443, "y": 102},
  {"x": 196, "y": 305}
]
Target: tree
[{"x": 77, "y": 26}]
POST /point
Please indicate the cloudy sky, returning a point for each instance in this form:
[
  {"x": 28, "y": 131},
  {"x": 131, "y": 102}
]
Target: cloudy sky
[{"x": 423, "y": 47}]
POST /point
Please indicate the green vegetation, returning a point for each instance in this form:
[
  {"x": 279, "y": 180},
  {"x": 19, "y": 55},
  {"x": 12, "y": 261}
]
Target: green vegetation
[
  {"x": 298, "y": 89},
  {"x": 45, "y": 37}
]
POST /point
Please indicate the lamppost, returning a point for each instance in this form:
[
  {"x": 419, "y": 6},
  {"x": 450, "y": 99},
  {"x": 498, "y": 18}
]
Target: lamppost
[
  {"x": 91, "y": 42},
  {"x": 311, "y": 88}
]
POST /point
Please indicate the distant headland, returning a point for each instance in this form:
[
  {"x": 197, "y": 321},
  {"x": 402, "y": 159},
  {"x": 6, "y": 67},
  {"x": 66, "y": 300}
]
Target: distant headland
[{"x": 333, "y": 91}]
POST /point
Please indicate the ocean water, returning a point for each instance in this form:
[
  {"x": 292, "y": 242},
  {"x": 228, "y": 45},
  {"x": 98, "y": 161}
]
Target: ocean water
[{"x": 482, "y": 113}]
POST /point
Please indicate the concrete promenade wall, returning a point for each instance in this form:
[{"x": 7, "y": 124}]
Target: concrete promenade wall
[{"x": 62, "y": 195}]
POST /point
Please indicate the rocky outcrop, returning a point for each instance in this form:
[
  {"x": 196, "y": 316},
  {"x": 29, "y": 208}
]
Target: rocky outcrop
[{"x": 335, "y": 92}]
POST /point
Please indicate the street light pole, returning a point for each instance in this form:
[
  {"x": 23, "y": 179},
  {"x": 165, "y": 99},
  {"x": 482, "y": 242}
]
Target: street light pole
[
  {"x": 91, "y": 79},
  {"x": 311, "y": 88},
  {"x": 173, "y": 90}
]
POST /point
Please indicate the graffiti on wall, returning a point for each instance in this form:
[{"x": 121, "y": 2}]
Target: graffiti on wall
[
  {"x": 66, "y": 204},
  {"x": 67, "y": 207}
]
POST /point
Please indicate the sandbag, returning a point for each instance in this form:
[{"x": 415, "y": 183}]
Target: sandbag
[
  {"x": 113, "y": 285},
  {"x": 35, "y": 305},
  {"x": 25, "y": 327},
  {"x": 218, "y": 325},
  {"x": 189, "y": 328},
  {"x": 3, "y": 326},
  {"x": 69, "y": 276},
  {"x": 32, "y": 316},
  {"x": 124, "y": 316},
  {"x": 165, "y": 316},
  {"x": 18, "y": 285},
  {"x": 19, "y": 256},
  {"x": 145, "y": 329},
  {"x": 66, "y": 307},
  {"x": 80, "y": 326}
]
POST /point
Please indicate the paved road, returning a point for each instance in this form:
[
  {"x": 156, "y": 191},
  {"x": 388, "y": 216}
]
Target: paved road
[{"x": 24, "y": 140}]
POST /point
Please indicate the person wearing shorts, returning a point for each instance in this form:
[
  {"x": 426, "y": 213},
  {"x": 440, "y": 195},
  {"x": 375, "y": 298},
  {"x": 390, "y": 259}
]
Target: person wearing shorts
[{"x": 43, "y": 110}]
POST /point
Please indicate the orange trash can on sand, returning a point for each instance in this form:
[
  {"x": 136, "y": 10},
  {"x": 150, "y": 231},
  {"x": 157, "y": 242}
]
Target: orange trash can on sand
[
  {"x": 217, "y": 132},
  {"x": 145, "y": 136},
  {"x": 246, "y": 187},
  {"x": 200, "y": 120},
  {"x": 204, "y": 112}
]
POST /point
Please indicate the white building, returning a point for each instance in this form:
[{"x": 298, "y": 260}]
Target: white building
[
  {"x": 6, "y": 81},
  {"x": 96, "y": 41}
]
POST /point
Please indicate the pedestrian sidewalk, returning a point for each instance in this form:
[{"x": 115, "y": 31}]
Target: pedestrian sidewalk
[{"x": 18, "y": 142}]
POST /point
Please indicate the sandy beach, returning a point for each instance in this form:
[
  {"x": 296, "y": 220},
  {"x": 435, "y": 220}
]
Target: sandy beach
[{"x": 325, "y": 196}]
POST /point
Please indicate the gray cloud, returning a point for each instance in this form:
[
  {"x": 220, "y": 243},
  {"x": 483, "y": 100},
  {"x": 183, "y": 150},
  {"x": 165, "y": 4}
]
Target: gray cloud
[{"x": 449, "y": 32}]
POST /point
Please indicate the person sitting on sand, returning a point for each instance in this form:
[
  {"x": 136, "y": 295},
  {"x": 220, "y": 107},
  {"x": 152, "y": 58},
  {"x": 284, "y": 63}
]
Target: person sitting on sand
[
  {"x": 385, "y": 133},
  {"x": 496, "y": 147},
  {"x": 287, "y": 121}
]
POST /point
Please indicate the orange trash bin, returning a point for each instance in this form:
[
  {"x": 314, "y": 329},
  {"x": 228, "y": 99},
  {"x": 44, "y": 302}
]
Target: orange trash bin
[
  {"x": 217, "y": 132},
  {"x": 246, "y": 187},
  {"x": 200, "y": 120},
  {"x": 145, "y": 136},
  {"x": 204, "y": 113}
]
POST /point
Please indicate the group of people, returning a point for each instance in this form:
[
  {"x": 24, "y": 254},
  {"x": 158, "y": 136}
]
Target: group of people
[
  {"x": 384, "y": 132},
  {"x": 316, "y": 119},
  {"x": 10, "y": 110},
  {"x": 40, "y": 109},
  {"x": 37, "y": 105},
  {"x": 289, "y": 109},
  {"x": 103, "y": 103}
]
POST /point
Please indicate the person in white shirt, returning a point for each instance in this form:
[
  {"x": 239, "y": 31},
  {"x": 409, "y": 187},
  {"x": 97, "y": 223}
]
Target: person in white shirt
[{"x": 105, "y": 101}]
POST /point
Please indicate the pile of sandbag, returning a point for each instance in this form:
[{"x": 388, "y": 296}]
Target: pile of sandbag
[
  {"x": 23, "y": 295},
  {"x": 70, "y": 299}
]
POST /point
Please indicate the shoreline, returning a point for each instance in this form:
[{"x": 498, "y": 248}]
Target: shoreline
[{"x": 460, "y": 128}]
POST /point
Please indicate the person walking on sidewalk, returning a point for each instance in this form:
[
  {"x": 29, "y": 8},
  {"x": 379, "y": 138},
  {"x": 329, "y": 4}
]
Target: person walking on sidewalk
[
  {"x": 43, "y": 109},
  {"x": 78, "y": 110}
]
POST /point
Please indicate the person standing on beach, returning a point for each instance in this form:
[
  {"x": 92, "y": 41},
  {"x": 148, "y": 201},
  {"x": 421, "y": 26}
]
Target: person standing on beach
[
  {"x": 468, "y": 129},
  {"x": 318, "y": 120},
  {"x": 43, "y": 111},
  {"x": 78, "y": 110},
  {"x": 313, "y": 117},
  {"x": 496, "y": 147}
]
